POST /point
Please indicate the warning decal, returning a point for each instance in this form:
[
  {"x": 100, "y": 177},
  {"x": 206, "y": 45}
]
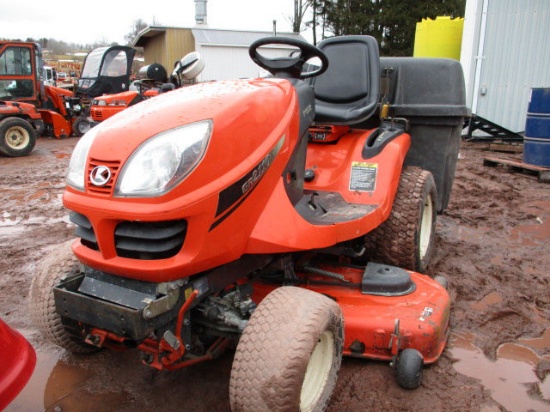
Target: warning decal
[{"x": 363, "y": 176}]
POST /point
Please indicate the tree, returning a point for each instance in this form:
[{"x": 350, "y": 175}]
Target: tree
[
  {"x": 137, "y": 26},
  {"x": 391, "y": 22},
  {"x": 300, "y": 9}
]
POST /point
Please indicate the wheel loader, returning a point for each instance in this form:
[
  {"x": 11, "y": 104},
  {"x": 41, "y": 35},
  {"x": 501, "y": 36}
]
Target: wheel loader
[{"x": 291, "y": 216}]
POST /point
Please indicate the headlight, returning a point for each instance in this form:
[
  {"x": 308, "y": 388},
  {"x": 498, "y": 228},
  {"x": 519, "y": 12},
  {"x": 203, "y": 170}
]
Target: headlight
[
  {"x": 77, "y": 165},
  {"x": 163, "y": 161}
]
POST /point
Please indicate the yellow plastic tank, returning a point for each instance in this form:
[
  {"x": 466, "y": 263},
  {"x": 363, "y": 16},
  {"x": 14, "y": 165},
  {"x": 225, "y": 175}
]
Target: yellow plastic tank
[{"x": 441, "y": 37}]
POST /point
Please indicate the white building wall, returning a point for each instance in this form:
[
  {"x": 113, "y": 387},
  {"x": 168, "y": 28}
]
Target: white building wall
[
  {"x": 223, "y": 62},
  {"x": 505, "y": 53}
]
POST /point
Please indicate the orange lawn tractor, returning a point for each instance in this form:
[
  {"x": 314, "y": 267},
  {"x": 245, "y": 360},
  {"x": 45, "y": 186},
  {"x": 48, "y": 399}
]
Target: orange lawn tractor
[
  {"x": 151, "y": 81},
  {"x": 106, "y": 71},
  {"x": 271, "y": 213}
]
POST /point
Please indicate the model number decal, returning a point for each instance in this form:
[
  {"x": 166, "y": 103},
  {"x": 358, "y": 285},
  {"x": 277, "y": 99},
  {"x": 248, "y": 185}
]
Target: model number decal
[
  {"x": 363, "y": 177},
  {"x": 426, "y": 313},
  {"x": 258, "y": 172},
  {"x": 231, "y": 197}
]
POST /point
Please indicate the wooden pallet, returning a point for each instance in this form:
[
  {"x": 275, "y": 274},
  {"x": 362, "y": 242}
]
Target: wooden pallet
[
  {"x": 542, "y": 173},
  {"x": 506, "y": 147}
]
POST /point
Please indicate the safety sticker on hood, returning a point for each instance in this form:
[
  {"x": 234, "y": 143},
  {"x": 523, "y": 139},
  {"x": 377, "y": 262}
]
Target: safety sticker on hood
[{"x": 363, "y": 177}]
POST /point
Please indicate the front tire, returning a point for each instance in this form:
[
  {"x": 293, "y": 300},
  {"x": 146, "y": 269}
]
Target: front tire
[
  {"x": 406, "y": 239},
  {"x": 59, "y": 263},
  {"x": 81, "y": 126},
  {"x": 17, "y": 137},
  {"x": 289, "y": 354}
]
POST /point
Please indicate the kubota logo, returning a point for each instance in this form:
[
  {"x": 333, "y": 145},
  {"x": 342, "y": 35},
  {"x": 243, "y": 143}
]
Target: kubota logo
[{"x": 100, "y": 175}]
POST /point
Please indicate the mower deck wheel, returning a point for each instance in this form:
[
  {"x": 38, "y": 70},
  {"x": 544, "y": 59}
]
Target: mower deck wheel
[
  {"x": 289, "y": 354},
  {"x": 59, "y": 263},
  {"x": 442, "y": 280},
  {"x": 17, "y": 137},
  {"x": 409, "y": 369},
  {"x": 406, "y": 239}
]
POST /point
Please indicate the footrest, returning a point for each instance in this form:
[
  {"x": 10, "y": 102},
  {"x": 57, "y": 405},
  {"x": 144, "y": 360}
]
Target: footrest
[{"x": 326, "y": 208}]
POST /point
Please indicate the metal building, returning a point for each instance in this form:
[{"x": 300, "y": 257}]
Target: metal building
[
  {"x": 225, "y": 52},
  {"x": 505, "y": 53}
]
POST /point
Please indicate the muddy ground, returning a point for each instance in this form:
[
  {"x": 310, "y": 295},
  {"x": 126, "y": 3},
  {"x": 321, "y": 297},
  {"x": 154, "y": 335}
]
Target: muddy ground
[{"x": 492, "y": 245}]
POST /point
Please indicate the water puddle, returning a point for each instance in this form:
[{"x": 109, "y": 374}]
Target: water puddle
[
  {"x": 57, "y": 386},
  {"x": 491, "y": 299},
  {"x": 13, "y": 226},
  {"x": 7, "y": 220},
  {"x": 512, "y": 378},
  {"x": 533, "y": 234},
  {"x": 10, "y": 231}
]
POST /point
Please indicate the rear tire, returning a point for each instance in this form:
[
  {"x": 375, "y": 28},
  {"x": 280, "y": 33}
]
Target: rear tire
[
  {"x": 59, "y": 263},
  {"x": 17, "y": 137},
  {"x": 406, "y": 239},
  {"x": 289, "y": 354}
]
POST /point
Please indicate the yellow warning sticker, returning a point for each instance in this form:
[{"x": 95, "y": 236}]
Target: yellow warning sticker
[{"x": 363, "y": 176}]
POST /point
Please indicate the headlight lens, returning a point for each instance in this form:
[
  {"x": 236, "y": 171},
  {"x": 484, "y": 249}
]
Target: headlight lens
[
  {"x": 162, "y": 162},
  {"x": 77, "y": 165}
]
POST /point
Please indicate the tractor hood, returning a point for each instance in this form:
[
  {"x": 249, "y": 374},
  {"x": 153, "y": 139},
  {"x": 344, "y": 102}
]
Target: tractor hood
[{"x": 148, "y": 149}]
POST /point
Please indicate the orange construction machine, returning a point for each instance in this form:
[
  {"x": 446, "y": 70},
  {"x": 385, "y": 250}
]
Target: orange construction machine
[
  {"x": 22, "y": 84},
  {"x": 29, "y": 107}
]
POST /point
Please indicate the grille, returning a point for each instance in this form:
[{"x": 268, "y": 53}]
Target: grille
[
  {"x": 150, "y": 240},
  {"x": 84, "y": 230},
  {"x": 137, "y": 240},
  {"x": 107, "y": 189}
]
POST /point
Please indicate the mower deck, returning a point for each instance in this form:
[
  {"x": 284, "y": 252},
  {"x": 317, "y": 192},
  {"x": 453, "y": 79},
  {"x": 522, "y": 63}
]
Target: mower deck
[{"x": 383, "y": 315}]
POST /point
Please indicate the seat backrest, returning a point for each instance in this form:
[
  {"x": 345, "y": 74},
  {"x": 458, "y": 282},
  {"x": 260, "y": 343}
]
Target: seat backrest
[{"x": 348, "y": 92}]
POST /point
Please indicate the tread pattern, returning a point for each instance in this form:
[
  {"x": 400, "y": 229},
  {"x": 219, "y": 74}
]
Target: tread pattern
[
  {"x": 272, "y": 355},
  {"x": 397, "y": 240},
  {"x": 59, "y": 263},
  {"x": 8, "y": 123}
]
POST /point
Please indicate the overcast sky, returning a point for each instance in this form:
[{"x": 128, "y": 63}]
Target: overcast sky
[{"x": 87, "y": 22}]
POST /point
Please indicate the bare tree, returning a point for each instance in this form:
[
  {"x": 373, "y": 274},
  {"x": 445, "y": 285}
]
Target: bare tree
[
  {"x": 137, "y": 26},
  {"x": 300, "y": 9}
]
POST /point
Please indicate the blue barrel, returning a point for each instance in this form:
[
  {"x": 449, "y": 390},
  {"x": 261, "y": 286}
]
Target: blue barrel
[{"x": 536, "y": 144}]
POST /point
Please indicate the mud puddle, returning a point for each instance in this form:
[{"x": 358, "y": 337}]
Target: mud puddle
[
  {"x": 117, "y": 381},
  {"x": 58, "y": 386},
  {"x": 512, "y": 378}
]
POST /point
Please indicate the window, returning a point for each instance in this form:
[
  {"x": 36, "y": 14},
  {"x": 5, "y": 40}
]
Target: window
[
  {"x": 16, "y": 60},
  {"x": 14, "y": 89}
]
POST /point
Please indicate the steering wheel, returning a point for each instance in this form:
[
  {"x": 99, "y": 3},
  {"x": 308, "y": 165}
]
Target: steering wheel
[{"x": 293, "y": 65}]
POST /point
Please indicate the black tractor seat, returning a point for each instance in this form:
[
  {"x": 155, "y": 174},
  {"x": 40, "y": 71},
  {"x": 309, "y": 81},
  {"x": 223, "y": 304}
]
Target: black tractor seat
[{"x": 348, "y": 92}]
